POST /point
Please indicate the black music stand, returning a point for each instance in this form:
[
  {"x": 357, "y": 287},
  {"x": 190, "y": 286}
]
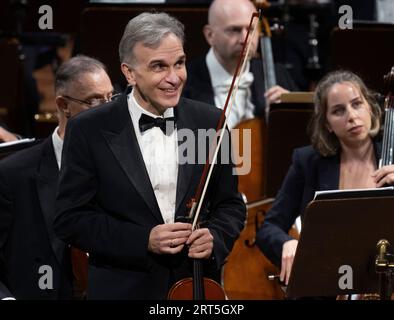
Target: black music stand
[{"x": 341, "y": 232}]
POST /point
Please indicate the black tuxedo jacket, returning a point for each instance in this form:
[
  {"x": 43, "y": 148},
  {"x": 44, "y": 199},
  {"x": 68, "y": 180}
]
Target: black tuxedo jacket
[
  {"x": 199, "y": 84},
  {"x": 28, "y": 183},
  {"x": 309, "y": 172},
  {"x": 107, "y": 207}
]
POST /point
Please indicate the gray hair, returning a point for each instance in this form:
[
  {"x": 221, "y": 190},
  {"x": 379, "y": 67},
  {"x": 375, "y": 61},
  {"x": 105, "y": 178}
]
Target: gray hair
[
  {"x": 148, "y": 28},
  {"x": 75, "y": 67}
]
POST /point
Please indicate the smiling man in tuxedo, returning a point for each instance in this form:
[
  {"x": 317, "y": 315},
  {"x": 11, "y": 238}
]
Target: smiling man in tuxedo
[{"x": 122, "y": 187}]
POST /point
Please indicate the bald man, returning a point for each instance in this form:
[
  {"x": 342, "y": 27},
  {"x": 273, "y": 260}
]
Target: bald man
[{"x": 209, "y": 77}]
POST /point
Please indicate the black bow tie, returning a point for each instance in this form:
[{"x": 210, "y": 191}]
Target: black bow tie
[{"x": 146, "y": 122}]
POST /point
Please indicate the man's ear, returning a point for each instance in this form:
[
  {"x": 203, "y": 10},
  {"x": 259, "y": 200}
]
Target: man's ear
[
  {"x": 208, "y": 33},
  {"x": 63, "y": 106},
  {"x": 128, "y": 73}
]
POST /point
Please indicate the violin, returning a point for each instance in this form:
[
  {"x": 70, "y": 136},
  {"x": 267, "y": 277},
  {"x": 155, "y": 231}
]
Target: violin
[
  {"x": 196, "y": 287},
  {"x": 199, "y": 287}
]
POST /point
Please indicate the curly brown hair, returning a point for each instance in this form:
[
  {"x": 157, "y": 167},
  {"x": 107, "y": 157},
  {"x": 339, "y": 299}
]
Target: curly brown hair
[{"x": 325, "y": 142}]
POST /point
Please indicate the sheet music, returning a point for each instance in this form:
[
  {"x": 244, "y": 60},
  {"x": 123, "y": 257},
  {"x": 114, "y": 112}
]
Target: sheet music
[{"x": 342, "y": 192}]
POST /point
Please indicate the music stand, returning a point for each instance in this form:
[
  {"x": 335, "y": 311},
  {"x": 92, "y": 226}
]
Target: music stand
[{"x": 341, "y": 232}]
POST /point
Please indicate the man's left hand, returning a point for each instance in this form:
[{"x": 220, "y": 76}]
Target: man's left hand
[{"x": 200, "y": 244}]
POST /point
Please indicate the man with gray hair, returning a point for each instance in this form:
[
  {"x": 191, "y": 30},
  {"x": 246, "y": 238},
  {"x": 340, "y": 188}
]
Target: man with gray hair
[
  {"x": 123, "y": 189},
  {"x": 34, "y": 263}
]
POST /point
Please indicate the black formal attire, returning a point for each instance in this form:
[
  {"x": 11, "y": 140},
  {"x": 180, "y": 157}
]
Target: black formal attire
[
  {"x": 106, "y": 204},
  {"x": 28, "y": 183},
  {"x": 308, "y": 173},
  {"x": 199, "y": 85}
]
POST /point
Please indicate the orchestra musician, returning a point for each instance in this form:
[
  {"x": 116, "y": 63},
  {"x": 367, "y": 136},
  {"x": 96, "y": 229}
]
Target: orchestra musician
[
  {"x": 344, "y": 154},
  {"x": 34, "y": 263},
  {"x": 209, "y": 76},
  {"x": 122, "y": 186}
]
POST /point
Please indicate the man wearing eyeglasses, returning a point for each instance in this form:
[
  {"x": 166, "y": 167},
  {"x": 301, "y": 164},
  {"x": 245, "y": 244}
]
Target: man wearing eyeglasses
[{"x": 34, "y": 263}]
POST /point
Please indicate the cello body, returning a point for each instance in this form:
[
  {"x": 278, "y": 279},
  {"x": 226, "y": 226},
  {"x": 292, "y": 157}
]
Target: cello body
[{"x": 245, "y": 274}]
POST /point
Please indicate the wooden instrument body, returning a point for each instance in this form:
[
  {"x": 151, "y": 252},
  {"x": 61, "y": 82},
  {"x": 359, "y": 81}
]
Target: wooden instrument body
[{"x": 245, "y": 274}]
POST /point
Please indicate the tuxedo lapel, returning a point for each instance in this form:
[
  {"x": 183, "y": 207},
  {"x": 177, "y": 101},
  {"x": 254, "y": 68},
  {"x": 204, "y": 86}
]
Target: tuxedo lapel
[
  {"x": 124, "y": 146},
  {"x": 46, "y": 184},
  {"x": 185, "y": 171}
]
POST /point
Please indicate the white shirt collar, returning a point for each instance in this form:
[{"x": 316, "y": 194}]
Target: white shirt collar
[
  {"x": 219, "y": 75},
  {"x": 136, "y": 110},
  {"x": 58, "y": 146}
]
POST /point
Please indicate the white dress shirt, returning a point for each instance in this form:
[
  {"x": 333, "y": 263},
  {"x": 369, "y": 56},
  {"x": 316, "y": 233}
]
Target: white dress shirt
[
  {"x": 57, "y": 146},
  {"x": 160, "y": 153},
  {"x": 243, "y": 107}
]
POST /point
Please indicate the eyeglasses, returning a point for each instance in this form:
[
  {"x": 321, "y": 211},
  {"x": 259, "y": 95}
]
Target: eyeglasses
[{"x": 94, "y": 101}]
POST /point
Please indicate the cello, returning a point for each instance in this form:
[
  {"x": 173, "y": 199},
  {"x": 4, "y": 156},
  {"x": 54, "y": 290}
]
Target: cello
[
  {"x": 387, "y": 158},
  {"x": 199, "y": 287}
]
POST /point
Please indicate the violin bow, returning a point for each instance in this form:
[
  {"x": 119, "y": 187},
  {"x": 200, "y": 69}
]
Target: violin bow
[{"x": 196, "y": 202}]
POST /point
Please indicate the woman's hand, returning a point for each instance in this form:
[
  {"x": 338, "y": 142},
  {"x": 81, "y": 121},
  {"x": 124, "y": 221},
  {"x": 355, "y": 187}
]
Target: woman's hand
[
  {"x": 288, "y": 252},
  {"x": 384, "y": 176}
]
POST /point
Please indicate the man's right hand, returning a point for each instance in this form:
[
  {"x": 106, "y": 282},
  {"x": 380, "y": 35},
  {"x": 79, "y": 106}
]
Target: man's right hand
[
  {"x": 288, "y": 252},
  {"x": 169, "y": 238}
]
